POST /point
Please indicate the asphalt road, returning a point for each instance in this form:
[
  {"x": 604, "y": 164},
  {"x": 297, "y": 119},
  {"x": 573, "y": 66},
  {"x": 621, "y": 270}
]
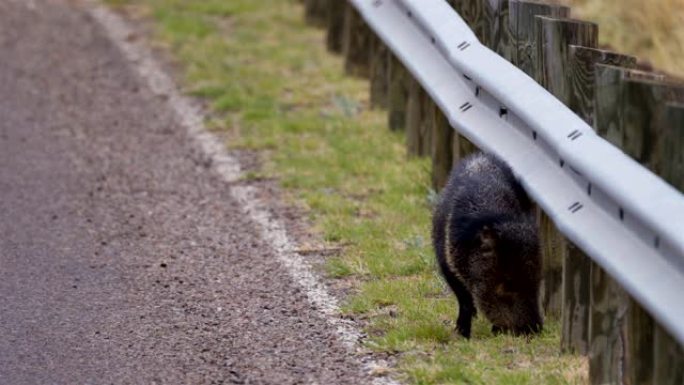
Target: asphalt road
[{"x": 123, "y": 258}]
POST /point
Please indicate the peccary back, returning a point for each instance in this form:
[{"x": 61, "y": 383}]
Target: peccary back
[{"x": 486, "y": 242}]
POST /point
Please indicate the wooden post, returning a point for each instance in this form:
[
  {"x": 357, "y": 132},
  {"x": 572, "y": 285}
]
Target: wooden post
[
  {"x": 336, "y": 15},
  {"x": 668, "y": 354},
  {"x": 554, "y": 37},
  {"x": 419, "y": 120},
  {"x": 489, "y": 19},
  {"x": 442, "y": 148},
  {"x": 356, "y": 43},
  {"x": 576, "y": 265},
  {"x": 397, "y": 94},
  {"x": 583, "y": 62},
  {"x": 523, "y": 34},
  {"x": 631, "y": 111},
  {"x": 608, "y": 309},
  {"x": 553, "y": 45},
  {"x": 427, "y": 122},
  {"x": 316, "y": 12},
  {"x": 466, "y": 147},
  {"x": 668, "y": 368},
  {"x": 500, "y": 38},
  {"x": 671, "y": 162},
  {"x": 523, "y": 30},
  {"x": 473, "y": 13},
  {"x": 608, "y": 109},
  {"x": 379, "y": 69},
  {"x": 644, "y": 123},
  {"x": 414, "y": 116}
]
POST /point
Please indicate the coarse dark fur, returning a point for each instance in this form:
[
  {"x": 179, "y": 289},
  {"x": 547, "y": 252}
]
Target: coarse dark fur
[{"x": 486, "y": 241}]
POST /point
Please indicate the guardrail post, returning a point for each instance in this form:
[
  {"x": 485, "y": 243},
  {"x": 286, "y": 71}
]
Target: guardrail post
[
  {"x": 427, "y": 122},
  {"x": 645, "y": 122},
  {"x": 415, "y": 118},
  {"x": 631, "y": 113},
  {"x": 553, "y": 45},
  {"x": 316, "y": 12},
  {"x": 379, "y": 72},
  {"x": 610, "y": 304},
  {"x": 607, "y": 316},
  {"x": 356, "y": 43},
  {"x": 465, "y": 147},
  {"x": 523, "y": 30},
  {"x": 473, "y": 13},
  {"x": 583, "y": 61},
  {"x": 490, "y": 22},
  {"x": 577, "y": 266},
  {"x": 336, "y": 15},
  {"x": 397, "y": 98},
  {"x": 668, "y": 355},
  {"x": 672, "y": 170},
  {"x": 442, "y": 149},
  {"x": 554, "y": 37}
]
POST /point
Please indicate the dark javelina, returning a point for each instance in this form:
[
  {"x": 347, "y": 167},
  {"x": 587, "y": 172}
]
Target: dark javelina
[{"x": 487, "y": 246}]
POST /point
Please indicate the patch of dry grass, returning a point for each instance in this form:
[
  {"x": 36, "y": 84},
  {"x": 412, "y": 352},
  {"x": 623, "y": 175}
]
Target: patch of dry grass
[{"x": 652, "y": 30}]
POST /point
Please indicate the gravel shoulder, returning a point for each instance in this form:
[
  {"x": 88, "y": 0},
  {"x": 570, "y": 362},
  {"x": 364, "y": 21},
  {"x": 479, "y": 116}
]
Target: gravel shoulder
[{"x": 123, "y": 257}]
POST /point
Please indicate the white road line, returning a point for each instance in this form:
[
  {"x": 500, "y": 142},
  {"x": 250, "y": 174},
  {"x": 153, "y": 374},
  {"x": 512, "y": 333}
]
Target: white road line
[{"x": 230, "y": 171}]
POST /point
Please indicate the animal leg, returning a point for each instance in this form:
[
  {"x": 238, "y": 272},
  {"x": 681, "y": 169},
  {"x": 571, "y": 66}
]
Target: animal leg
[{"x": 466, "y": 307}]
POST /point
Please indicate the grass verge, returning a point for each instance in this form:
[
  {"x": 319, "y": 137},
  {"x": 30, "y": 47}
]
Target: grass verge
[{"x": 275, "y": 89}]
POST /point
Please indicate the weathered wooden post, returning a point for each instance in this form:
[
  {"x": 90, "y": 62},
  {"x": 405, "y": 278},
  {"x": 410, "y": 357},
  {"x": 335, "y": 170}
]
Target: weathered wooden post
[
  {"x": 442, "y": 148},
  {"x": 414, "y": 117},
  {"x": 671, "y": 166},
  {"x": 490, "y": 22},
  {"x": 478, "y": 15},
  {"x": 336, "y": 15},
  {"x": 609, "y": 304},
  {"x": 427, "y": 122},
  {"x": 379, "y": 73},
  {"x": 609, "y": 314},
  {"x": 554, "y": 37},
  {"x": 472, "y": 12},
  {"x": 631, "y": 112},
  {"x": 645, "y": 122},
  {"x": 577, "y": 266},
  {"x": 583, "y": 61},
  {"x": 523, "y": 30},
  {"x": 465, "y": 147},
  {"x": 316, "y": 12},
  {"x": 553, "y": 45},
  {"x": 356, "y": 42},
  {"x": 399, "y": 80},
  {"x": 456, "y": 148},
  {"x": 668, "y": 354}
]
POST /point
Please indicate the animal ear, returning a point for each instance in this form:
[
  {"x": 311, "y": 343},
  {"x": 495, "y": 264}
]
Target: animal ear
[{"x": 486, "y": 238}]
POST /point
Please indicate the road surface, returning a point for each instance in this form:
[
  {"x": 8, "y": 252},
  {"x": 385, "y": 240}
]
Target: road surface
[{"x": 123, "y": 257}]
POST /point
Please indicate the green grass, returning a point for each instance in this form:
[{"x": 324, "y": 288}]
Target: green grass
[{"x": 275, "y": 89}]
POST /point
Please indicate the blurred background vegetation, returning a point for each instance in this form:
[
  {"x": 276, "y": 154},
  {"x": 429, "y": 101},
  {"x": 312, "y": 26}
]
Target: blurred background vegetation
[{"x": 652, "y": 30}]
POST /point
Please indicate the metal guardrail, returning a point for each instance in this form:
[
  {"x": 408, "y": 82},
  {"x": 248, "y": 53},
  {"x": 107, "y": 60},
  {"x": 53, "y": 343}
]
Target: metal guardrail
[{"x": 625, "y": 218}]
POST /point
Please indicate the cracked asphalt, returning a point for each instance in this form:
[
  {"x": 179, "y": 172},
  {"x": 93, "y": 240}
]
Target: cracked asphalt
[{"x": 123, "y": 258}]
